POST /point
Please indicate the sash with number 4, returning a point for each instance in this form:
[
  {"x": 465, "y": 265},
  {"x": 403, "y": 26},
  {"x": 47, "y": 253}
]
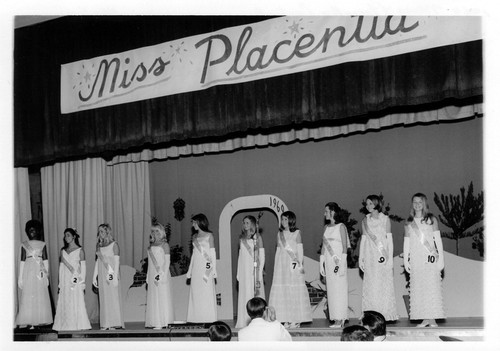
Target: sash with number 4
[
  {"x": 378, "y": 243},
  {"x": 75, "y": 273},
  {"x": 209, "y": 265},
  {"x": 288, "y": 249},
  {"x": 336, "y": 259},
  {"x": 106, "y": 265},
  {"x": 156, "y": 265},
  {"x": 434, "y": 254},
  {"x": 38, "y": 259}
]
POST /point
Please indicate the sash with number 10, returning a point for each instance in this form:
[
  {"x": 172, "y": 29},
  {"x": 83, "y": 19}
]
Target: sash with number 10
[
  {"x": 209, "y": 265},
  {"x": 290, "y": 252},
  {"x": 38, "y": 259},
  {"x": 378, "y": 243},
  {"x": 74, "y": 273},
  {"x": 434, "y": 254},
  {"x": 105, "y": 262},
  {"x": 156, "y": 265}
]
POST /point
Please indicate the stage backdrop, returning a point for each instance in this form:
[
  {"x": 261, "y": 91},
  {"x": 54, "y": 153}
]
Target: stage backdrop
[{"x": 397, "y": 162}]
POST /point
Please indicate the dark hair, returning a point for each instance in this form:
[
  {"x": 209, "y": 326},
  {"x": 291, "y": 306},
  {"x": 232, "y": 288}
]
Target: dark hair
[
  {"x": 377, "y": 201},
  {"x": 219, "y": 331},
  {"x": 333, "y": 206},
  {"x": 33, "y": 223},
  {"x": 356, "y": 333},
  {"x": 256, "y": 307},
  {"x": 292, "y": 221},
  {"x": 374, "y": 321},
  {"x": 75, "y": 236},
  {"x": 202, "y": 222}
]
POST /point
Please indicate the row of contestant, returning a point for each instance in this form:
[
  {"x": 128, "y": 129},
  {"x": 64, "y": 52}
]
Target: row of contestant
[{"x": 288, "y": 293}]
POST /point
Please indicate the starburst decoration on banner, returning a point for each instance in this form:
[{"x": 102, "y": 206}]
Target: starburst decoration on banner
[
  {"x": 294, "y": 28},
  {"x": 84, "y": 77},
  {"x": 178, "y": 51}
]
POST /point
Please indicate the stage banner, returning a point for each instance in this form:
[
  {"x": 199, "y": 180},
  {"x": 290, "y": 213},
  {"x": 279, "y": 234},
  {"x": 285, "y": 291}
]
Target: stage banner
[{"x": 261, "y": 50}]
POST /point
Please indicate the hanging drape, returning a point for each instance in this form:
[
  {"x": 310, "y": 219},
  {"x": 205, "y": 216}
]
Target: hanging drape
[
  {"x": 342, "y": 94},
  {"x": 22, "y": 214},
  {"x": 84, "y": 194}
]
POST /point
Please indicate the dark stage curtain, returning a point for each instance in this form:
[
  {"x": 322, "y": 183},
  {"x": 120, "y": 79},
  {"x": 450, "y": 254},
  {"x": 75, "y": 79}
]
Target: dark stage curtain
[{"x": 409, "y": 82}]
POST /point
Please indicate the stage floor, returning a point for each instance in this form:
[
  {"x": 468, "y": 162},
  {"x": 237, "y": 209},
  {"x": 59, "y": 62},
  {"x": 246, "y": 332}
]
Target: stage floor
[{"x": 461, "y": 329}]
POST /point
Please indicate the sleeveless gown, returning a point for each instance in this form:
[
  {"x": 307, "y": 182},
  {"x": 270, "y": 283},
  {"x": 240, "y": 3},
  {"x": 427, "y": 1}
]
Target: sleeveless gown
[
  {"x": 378, "y": 280},
  {"x": 71, "y": 313},
  {"x": 289, "y": 295}
]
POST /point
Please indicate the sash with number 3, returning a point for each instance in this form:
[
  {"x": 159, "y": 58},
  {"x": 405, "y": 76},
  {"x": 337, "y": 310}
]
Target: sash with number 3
[
  {"x": 288, "y": 249},
  {"x": 378, "y": 243},
  {"x": 38, "y": 259},
  {"x": 434, "y": 254},
  {"x": 106, "y": 265},
  {"x": 209, "y": 265}
]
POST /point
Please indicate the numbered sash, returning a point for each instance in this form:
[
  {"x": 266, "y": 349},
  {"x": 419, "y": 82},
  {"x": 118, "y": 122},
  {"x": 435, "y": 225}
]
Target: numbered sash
[
  {"x": 295, "y": 262},
  {"x": 75, "y": 273},
  {"x": 431, "y": 249},
  {"x": 156, "y": 265},
  {"x": 336, "y": 259},
  {"x": 108, "y": 267},
  {"x": 38, "y": 259},
  {"x": 377, "y": 242},
  {"x": 209, "y": 264}
]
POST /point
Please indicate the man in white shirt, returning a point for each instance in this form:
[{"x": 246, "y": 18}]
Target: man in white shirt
[{"x": 260, "y": 329}]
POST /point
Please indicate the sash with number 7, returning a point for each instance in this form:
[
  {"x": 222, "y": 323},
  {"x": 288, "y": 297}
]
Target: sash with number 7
[
  {"x": 378, "y": 243},
  {"x": 288, "y": 249},
  {"x": 106, "y": 264},
  {"x": 209, "y": 265},
  {"x": 434, "y": 255},
  {"x": 156, "y": 265},
  {"x": 75, "y": 274},
  {"x": 37, "y": 259}
]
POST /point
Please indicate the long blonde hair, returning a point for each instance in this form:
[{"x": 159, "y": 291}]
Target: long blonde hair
[{"x": 426, "y": 214}]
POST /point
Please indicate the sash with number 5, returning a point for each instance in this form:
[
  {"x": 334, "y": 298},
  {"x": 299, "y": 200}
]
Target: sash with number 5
[
  {"x": 377, "y": 242},
  {"x": 38, "y": 259},
  {"x": 209, "y": 264},
  {"x": 75, "y": 273},
  {"x": 106, "y": 265},
  {"x": 433, "y": 253},
  {"x": 288, "y": 249},
  {"x": 156, "y": 265}
]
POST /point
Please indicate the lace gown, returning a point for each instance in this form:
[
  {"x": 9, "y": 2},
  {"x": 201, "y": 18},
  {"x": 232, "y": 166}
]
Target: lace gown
[
  {"x": 34, "y": 300},
  {"x": 159, "y": 307},
  {"x": 246, "y": 281},
  {"x": 426, "y": 289},
  {"x": 71, "y": 313},
  {"x": 378, "y": 281},
  {"x": 289, "y": 295},
  {"x": 336, "y": 285},
  {"x": 110, "y": 296},
  {"x": 202, "y": 307}
]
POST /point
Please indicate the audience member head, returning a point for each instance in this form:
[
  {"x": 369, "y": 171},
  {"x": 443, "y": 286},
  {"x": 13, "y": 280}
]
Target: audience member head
[
  {"x": 219, "y": 331},
  {"x": 270, "y": 314},
  {"x": 256, "y": 307},
  {"x": 34, "y": 230},
  {"x": 356, "y": 333},
  {"x": 374, "y": 322}
]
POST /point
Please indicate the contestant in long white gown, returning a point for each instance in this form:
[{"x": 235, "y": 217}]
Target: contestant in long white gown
[
  {"x": 71, "y": 313},
  {"x": 107, "y": 279},
  {"x": 333, "y": 265},
  {"x": 376, "y": 261},
  {"x": 159, "y": 305},
  {"x": 289, "y": 295},
  {"x": 251, "y": 251},
  {"x": 424, "y": 260},
  {"x": 33, "y": 282},
  {"x": 202, "y": 274}
]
